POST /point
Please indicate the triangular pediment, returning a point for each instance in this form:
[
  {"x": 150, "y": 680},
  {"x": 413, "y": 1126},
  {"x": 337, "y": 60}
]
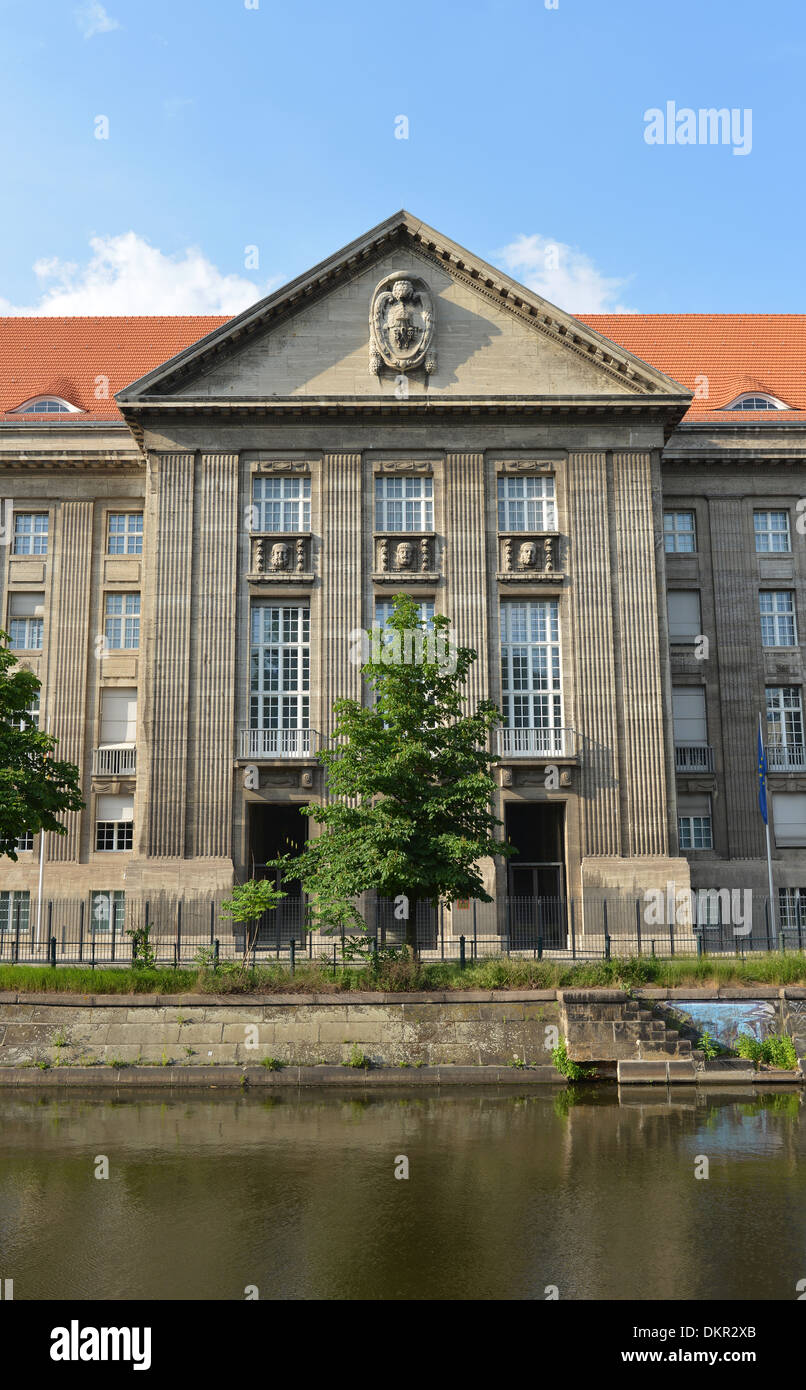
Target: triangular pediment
[{"x": 492, "y": 339}]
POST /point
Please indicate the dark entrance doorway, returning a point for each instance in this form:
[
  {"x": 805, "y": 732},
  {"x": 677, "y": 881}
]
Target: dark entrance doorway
[
  {"x": 275, "y": 829},
  {"x": 536, "y": 908}
]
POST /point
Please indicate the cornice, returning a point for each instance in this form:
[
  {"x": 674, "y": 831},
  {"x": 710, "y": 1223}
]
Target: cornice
[
  {"x": 412, "y": 405},
  {"x": 101, "y": 460}
]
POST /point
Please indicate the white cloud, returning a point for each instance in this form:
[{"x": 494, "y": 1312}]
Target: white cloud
[
  {"x": 92, "y": 19},
  {"x": 563, "y": 275},
  {"x": 125, "y": 275}
]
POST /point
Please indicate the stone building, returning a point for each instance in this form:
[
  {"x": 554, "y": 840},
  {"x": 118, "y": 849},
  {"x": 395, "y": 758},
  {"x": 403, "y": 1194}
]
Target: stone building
[{"x": 608, "y": 509}]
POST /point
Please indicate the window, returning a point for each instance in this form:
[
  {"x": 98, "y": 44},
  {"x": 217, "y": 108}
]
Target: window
[
  {"x": 118, "y": 717},
  {"x": 282, "y": 504},
  {"x": 685, "y": 621},
  {"x": 122, "y": 626},
  {"x": 31, "y": 533},
  {"x": 31, "y": 716},
  {"x": 688, "y": 706},
  {"x": 756, "y": 401},
  {"x": 789, "y": 816},
  {"x": 47, "y": 405},
  {"x": 280, "y": 667},
  {"x": 108, "y": 912},
  {"x": 784, "y": 717},
  {"x": 772, "y": 531},
  {"x": 124, "y": 533},
  {"x": 778, "y": 628},
  {"x": 404, "y": 504},
  {"x": 707, "y": 903},
  {"x": 384, "y": 608},
  {"x": 14, "y": 912},
  {"x": 26, "y": 622},
  {"x": 526, "y": 504},
  {"x": 679, "y": 533},
  {"x": 114, "y": 817},
  {"x": 694, "y": 822},
  {"x": 530, "y": 665},
  {"x": 792, "y": 909},
  {"x": 26, "y": 841}
]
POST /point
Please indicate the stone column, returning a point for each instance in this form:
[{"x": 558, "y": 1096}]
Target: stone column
[
  {"x": 466, "y": 590},
  {"x": 340, "y": 608},
  {"x": 644, "y": 822},
  {"x": 167, "y": 668},
  {"x": 212, "y": 684},
  {"x": 593, "y": 641},
  {"x": 68, "y": 668}
]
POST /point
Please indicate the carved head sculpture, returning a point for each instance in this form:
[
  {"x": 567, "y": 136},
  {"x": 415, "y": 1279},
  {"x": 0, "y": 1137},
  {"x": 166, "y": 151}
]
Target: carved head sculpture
[
  {"x": 404, "y": 555},
  {"x": 527, "y": 555},
  {"x": 279, "y": 556},
  {"x": 402, "y": 289}
]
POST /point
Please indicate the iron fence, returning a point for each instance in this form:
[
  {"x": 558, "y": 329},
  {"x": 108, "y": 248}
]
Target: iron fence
[{"x": 97, "y": 930}]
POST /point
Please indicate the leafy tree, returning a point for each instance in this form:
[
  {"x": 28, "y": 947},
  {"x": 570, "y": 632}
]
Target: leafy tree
[
  {"x": 410, "y": 784},
  {"x": 35, "y": 788},
  {"x": 248, "y": 903}
]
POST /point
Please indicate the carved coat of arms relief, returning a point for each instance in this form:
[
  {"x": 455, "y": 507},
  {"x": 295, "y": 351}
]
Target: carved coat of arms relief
[{"x": 401, "y": 325}]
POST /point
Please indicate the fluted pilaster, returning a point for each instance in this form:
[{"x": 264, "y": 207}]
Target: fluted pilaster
[
  {"x": 593, "y": 644},
  {"x": 212, "y": 690},
  {"x": 341, "y": 584},
  {"x": 643, "y": 761},
  {"x": 466, "y": 594},
  {"x": 168, "y": 669},
  {"x": 69, "y": 668}
]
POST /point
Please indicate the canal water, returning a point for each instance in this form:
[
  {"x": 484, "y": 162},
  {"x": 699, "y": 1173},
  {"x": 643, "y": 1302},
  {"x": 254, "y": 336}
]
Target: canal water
[{"x": 507, "y": 1196}]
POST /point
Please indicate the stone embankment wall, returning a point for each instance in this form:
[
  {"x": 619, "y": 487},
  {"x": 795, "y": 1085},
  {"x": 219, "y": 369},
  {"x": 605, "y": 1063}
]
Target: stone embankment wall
[
  {"x": 502, "y": 1028},
  {"x": 479, "y": 1029}
]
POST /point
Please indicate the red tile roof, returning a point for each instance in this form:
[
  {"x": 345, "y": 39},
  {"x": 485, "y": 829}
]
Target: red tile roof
[
  {"x": 736, "y": 352},
  {"x": 63, "y": 357}
]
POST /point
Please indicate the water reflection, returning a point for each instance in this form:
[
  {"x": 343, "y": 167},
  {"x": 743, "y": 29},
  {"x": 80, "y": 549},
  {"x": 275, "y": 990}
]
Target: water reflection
[{"x": 507, "y": 1194}]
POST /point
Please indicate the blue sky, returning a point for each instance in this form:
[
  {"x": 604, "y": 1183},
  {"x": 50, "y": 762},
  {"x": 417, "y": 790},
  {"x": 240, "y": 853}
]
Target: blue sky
[{"x": 274, "y": 127}]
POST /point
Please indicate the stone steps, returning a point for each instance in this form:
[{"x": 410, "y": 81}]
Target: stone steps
[{"x": 618, "y": 1028}]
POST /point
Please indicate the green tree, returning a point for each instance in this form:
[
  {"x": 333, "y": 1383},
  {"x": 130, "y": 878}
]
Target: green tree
[
  {"x": 247, "y": 904},
  {"x": 35, "y": 788},
  {"x": 410, "y": 785}
]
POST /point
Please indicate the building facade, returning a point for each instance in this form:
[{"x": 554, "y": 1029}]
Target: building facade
[{"x": 201, "y": 514}]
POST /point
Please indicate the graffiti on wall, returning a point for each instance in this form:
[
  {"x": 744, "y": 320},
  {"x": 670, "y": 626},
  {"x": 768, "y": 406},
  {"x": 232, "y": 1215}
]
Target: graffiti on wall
[{"x": 727, "y": 1019}]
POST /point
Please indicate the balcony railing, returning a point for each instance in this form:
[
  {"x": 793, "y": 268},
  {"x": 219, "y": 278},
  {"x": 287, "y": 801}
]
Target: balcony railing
[
  {"x": 278, "y": 743},
  {"x": 116, "y": 760},
  {"x": 787, "y": 757},
  {"x": 536, "y": 743},
  {"x": 693, "y": 757}
]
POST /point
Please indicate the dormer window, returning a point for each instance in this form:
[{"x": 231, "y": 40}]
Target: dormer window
[
  {"x": 754, "y": 400},
  {"x": 47, "y": 405}
]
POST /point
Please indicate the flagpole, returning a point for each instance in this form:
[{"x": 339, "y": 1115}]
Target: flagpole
[
  {"x": 767, "y": 831},
  {"x": 769, "y": 876}
]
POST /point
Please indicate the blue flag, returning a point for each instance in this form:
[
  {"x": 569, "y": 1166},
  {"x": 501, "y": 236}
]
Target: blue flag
[{"x": 762, "y": 775}]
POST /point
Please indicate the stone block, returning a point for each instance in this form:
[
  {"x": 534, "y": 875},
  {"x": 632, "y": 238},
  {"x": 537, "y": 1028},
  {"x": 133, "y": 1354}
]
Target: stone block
[
  {"x": 145, "y": 1015},
  {"x": 349, "y": 1032},
  {"x": 200, "y": 1032},
  {"x": 118, "y": 1034},
  {"x": 681, "y": 1070},
  {"x": 754, "y": 992},
  {"x": 630, "y": 1071}
]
